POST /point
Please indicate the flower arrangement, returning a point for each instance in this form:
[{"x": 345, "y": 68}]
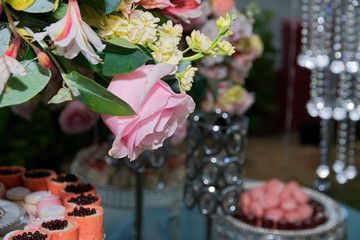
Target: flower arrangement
[
  {"x": 226, "y": 74},
  {"x": 130, "y": 47}
]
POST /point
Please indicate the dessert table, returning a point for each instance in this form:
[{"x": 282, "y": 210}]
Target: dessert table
[{"x": 165, "y": 224}]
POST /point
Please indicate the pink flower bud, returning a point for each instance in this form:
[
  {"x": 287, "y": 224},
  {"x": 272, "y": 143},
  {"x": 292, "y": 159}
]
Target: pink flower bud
[
  {"x": 44, "y": 60},
  {"x": 13, "y": 48}
]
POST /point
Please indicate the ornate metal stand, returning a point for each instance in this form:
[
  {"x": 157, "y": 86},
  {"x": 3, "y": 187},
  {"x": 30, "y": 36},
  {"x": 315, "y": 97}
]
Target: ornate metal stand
[{"x": 215, "y": 162}]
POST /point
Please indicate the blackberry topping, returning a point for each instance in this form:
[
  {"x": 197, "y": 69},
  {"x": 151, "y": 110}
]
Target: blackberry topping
[
  {"x": 82, "y": 212},
  {"x": 55, "y": 224},
  {"x": 37, "y": 174},
  {"x": 79, "y": 188},
  {"x": 9, "y": 171},
  {"x": 65, "y": 178},
  {"x": 30, "y": 236},
  {"x": 84, "y": 200}
]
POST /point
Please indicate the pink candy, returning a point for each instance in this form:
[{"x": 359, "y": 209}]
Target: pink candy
[
  {"x": 274, "y": 186},
  {"x": 256, "y": 209},
  {"x": 269, "y": 200},
  {"x": 276, "y": 200},
  {"x": 257, "y": 193}
]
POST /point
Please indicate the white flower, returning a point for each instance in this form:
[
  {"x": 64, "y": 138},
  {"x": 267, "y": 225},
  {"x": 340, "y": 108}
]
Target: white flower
[
  {"x": 226, "y": 47},
  {"x": 116, "y": 26},
  {"x": 170, "y": 29},
  {"x": 72, "y": 35},
  {"x": 186, "y": 78},
  {"x": 8, "y": 66},
  {"x": 199, "y": 42},
  {"x": 142, "y": 27},
  {"x": 167, "y": 51}
]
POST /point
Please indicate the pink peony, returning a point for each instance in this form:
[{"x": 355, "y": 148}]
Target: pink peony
[
  {"x": 76, "y": 118},
  {"x": 159, "y": 110}
]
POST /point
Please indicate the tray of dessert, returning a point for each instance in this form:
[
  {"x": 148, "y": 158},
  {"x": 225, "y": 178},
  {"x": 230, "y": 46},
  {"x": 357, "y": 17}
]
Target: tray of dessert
[
  {"x": 275, "y": 210},
  {"x": 49, "y": 205},
  {"x": 115, "y": 182}
]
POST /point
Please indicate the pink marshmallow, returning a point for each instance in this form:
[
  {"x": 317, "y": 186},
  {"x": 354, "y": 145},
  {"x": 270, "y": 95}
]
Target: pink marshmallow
[
  {"x": 245, "y": 202},
  {"x": 285, "y": 193},
  {"x": 274, "y": 186},
  {"x": 288, "y": 205},
  {"x": 300, "y": 196},
  {"x": 306, "y": 211},
  {"x": 257, "y": 193},
  {"x": 270, "y": 200},
  {"x": 256, "y": 209},
  {"x": 46, "y": 201}
]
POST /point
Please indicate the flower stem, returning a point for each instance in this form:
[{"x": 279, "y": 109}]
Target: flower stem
[
  {"x": 193, "y": 57},
  {"x": 10, "y": 20},
  {"x": 152, "y": 47}
]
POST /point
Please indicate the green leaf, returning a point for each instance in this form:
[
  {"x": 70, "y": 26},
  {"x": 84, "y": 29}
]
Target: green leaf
[
  {"x": 60, "y": 11},
  {"x": 119, "y": 56},
  {"x": 119, "y": 42},
  {"x": 23, "y": 88},
  {"x": 63, "y": 95},
  {"x": 5, "y": 35},
  {"x": 111, "y": 5},
  {"x": 41, "y": 6},
  {"x": 96, "y": 97}
]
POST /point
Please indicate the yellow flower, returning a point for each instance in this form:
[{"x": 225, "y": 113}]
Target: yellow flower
[
  {"x": 226, "y": 47},
  {"x": 223, "y": 22},
  {"x": 199, "y": 42},
  {"x": 186, "y": 78},
  {"x": 167, "y": 50},
  {"x": 115, "y": 26},
  {"x": 170, "y": 29},
  {"x": 143, "y": 27},
  {"x": 254, "y": 42},
  {"x": 233, "y": 95}
]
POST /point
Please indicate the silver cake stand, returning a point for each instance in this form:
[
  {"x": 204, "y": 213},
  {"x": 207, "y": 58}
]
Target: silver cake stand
[
  {"x": 11, "y": 215},
  {"x": 228, "y": 227}
]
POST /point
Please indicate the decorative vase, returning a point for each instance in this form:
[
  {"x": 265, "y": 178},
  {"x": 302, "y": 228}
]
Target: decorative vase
[{"x": 215, "y": 159}]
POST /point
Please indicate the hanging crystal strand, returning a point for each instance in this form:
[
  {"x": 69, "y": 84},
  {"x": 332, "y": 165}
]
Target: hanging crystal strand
[
  {"x": 341, "y": 151},
  {"x": 355, "y": 114},
  {"x": 350, "y": 170},
  {"x": 337, "y": 66},
  {"x": 304, "y": 58},
  {"x": 323, "y": 184},
  {"x": 324, "y": 84},
  {"x": 317, "y": 30}
]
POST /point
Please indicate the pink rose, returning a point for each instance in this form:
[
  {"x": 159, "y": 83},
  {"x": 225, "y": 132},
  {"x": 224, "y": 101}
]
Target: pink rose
[
  {"x": 179, "y": 134},
  {"x": 76, "y": 118},
  {"x": 159, "y": 110}
]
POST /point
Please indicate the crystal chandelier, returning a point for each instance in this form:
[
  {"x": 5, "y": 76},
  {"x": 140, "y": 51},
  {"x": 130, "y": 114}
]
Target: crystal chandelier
[{"x": 330, "y": 48}]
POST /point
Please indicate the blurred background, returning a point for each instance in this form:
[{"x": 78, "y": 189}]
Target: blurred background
[{"x": 283, "y": 138}]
